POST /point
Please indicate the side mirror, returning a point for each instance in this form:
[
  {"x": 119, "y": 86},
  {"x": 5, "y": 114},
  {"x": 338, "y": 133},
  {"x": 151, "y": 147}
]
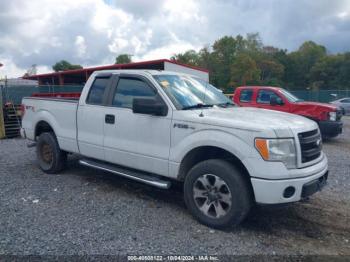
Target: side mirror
[
  {"x": 149, "y": 106},
  {"x": 276, "y": 101}
]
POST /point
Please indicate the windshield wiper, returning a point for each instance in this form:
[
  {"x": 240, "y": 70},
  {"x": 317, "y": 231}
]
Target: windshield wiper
[
  {"x": 196, "y": 106},
  {"x": 227, "y": 104}
]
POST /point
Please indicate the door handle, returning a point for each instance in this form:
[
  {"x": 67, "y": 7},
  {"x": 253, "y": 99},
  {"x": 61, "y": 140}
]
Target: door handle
[{"x": 109, "y": 119}]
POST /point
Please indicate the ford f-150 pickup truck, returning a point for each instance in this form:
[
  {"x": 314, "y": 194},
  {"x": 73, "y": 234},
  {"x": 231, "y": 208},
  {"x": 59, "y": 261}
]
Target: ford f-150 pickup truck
[
  {"x": 156, "y": 127},
  {"x": 327, "y": 116}
]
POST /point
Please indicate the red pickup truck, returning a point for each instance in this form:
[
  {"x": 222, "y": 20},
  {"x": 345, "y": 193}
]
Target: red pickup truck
[{"x": 327, "y": 116}]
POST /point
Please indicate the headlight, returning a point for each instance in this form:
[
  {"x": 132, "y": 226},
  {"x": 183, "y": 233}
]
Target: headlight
[
  {"x": 332, "y": 116},
  {"x": 282, "y": 150}
]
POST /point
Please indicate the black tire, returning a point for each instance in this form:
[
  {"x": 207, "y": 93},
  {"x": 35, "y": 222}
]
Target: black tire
[
  {"x": 343, "y": 111},
  {"x": 50, "y": 157},
  {"x": 238, "y": 188}
]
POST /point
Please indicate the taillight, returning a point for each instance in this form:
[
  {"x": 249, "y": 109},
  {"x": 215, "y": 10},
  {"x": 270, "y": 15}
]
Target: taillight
[{"x": 23, "y": 110}]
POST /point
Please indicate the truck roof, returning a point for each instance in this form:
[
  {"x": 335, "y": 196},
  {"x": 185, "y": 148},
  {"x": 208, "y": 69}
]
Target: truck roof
[
  {"x": 142, "y": 71},
  {"x": 256, "y": 87}
]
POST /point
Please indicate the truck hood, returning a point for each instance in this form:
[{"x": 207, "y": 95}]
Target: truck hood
[
  {"x": 315, "y": 105},
  {"x": 256, "y": 119}
]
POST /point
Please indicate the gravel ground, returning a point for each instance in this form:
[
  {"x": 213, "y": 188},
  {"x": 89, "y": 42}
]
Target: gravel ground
[{"x": 84, "y": 211}]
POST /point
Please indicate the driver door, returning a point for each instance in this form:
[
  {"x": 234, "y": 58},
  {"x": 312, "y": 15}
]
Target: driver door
[
  {"x": 263, "y": 99},
  {"x": 138, "y": 141}
]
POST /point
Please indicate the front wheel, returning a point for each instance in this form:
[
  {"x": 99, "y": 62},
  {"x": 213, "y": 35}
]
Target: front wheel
[
  {"x": 50, "y": 157},
  {"x": 217, "y": 194}
]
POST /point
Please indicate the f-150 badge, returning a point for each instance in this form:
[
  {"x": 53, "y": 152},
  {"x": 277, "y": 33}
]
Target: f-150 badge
[{"x": 185, "y": 126}]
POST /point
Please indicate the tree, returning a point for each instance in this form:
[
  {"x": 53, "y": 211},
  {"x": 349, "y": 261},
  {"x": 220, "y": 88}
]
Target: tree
[
  {"x": 223, "y": 55},
  {"x": 253, "y": 42},
  {"x": 205, "y": 58},
  {"x": 343, "y": 76},
  {"x": 244, "y": 71},
  {"x": 123, "y": 59},
  {"x": 270, "y": 72},
  {"x": 330, "y": 72},
  {"x": 301, "y": 62},
  {"x": 31, "y": 71},
  {"x": 245, "y": 60},
  {"x": 190, "y": 57},
  {"x": 64, "y": 65}
]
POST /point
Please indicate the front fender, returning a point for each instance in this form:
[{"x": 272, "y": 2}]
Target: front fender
[{"x": 210, "y": 137}]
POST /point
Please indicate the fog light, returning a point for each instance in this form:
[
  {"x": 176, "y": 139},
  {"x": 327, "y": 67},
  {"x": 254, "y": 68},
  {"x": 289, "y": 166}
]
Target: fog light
[{"x": 289, "y": 192}]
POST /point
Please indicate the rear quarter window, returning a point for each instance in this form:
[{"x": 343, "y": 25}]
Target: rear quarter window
[
  {"x": 246, "y": 95},
  {"x": 97, "y": 90}
]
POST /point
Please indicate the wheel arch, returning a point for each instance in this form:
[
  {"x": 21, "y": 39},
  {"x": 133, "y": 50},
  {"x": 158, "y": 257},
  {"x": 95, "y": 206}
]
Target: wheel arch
[
  {"x": 41, "y": 127},
  {"x": 202, "y": 153}
]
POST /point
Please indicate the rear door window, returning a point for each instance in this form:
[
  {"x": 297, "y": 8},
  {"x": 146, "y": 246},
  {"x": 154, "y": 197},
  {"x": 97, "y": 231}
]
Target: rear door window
[{"x": 246, "y": 95}]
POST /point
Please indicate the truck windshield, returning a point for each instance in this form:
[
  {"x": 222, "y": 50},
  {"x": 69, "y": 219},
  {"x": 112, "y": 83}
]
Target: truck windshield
[
  {"x": 291, "y": 98},
  {"x": 188, "y": 92}
]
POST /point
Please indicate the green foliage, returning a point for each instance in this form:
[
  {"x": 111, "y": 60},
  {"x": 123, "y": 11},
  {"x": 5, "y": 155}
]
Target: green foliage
[
  {"x": 190, "y": 57},
  {"x": 301, "y": 62},
  {"x": 64, "y": 65},
  {"x": 332, "y": 70},
  {"x": 234, "y": 61},
  {"x": 123, "y": 59},
  {"x": 244, "y": 71}
]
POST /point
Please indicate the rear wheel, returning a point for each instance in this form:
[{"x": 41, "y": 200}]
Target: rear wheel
[
  {"x": 50, "y": 157},
  {"x": 216, "y": 194}
]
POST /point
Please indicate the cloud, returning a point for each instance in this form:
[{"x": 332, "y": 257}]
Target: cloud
[
  {"x": 11, "y": 68},
  {"x": 80, "y": 46},
  {"x": 144, "y": 9},
  {"x": 93, "y": 32},
  {"x": 167, "y": 51}
]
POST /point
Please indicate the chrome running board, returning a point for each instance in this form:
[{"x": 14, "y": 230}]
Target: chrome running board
[{"x": 131, "y": 174}]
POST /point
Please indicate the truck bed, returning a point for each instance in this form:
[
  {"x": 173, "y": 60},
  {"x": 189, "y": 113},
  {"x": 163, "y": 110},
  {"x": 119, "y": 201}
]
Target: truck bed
[
  {"x": 60, "y": 112},
  {"x": 70, "y": 95},
  {"x": 57, "y": 99}
]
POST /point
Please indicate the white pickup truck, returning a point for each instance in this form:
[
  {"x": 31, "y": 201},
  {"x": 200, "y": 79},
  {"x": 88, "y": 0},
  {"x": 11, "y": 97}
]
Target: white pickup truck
[{"x": 157, "y": 126}]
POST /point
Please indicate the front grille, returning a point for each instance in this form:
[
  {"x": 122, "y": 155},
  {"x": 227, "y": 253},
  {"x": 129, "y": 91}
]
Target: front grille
[{"x": 310, "y": 144}]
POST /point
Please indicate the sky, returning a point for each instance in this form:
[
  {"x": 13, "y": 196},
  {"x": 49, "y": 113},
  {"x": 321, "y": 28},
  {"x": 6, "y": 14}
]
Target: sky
[{"x": 94, "y": 32}]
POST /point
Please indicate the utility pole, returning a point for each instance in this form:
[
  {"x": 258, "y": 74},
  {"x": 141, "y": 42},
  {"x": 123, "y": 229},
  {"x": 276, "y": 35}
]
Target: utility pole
[{"x": 2, "y": 124}]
